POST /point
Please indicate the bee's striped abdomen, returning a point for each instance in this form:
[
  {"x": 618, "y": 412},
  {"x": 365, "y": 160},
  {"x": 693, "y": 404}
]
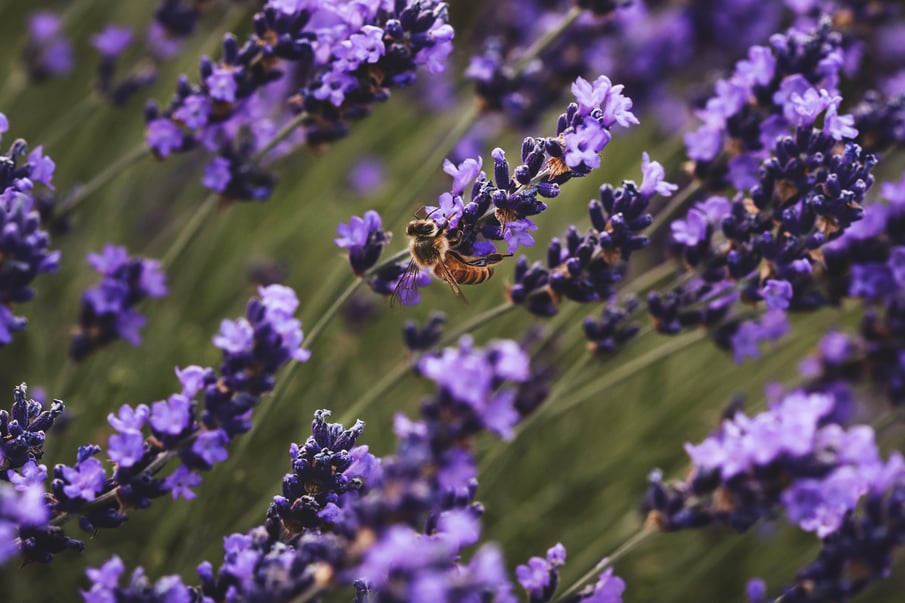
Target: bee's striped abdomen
[{"x": 468, "y": 275}]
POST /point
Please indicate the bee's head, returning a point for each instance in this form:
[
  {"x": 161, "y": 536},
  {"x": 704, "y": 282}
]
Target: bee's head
[{"x": 422, "y": 228}]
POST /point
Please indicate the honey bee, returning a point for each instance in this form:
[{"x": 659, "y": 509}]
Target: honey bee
[{"x": 432, "y": 250}]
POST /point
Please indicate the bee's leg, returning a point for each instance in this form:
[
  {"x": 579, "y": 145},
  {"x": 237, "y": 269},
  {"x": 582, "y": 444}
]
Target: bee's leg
[{"x": 455, "y": 239}]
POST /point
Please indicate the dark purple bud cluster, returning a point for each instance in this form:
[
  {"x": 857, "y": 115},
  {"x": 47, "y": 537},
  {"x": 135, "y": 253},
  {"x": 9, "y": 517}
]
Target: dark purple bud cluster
[
  {"x": 111, "y": 43},
  {"x": 774, "y": 90},
  {"x": 880, "y": 120},
  {"x": 108, "y": 311},
  {"x": 767, "y": 245},
  {"x": 793, "y": 456},
  {"x": 335, "y": 64},
  {"x": 24, "y": 510},
  {"x": 424, "y": 338},
  {"x": 22, "y": 431},
  {"x": 524, "y": 92},
  {"x": 858, "y": 553},
  {"x": 48, "y": 52},
  {"x": 198, "y": 432},
  {"x": 174, "y": 21},
  {"x": 24, "y": 246},
  {"x": 587, "y": 267},
  {"x": 868, "y": 263},
  {"x": 614, "y": 328}
]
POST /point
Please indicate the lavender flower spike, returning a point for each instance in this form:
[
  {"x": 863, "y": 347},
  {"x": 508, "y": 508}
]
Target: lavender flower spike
[
  {"x": 24, "y": 246},
  {"x": 107, "y": 311},
  {"x": 147, "y": 436}
]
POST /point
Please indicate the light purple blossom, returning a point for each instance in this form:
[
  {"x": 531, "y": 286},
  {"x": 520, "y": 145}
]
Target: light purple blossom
[
  {"x": 692, "y": 230},
  {"x": 211, "y": 446},
  {"x": 654, "y": 179},
  {"x": 163, "y": 136},
  {"x": 235, "y": 336},
  {"x": 450, "y": 209},
  {"x": 172, "y": 416},
  {"x": 181, "y": 482},
  {"x": 42, "y": 167},
  {"x": 126, "y": 447},
  {"x": 583, "y": 146},
  {"x": 217, "y": 174},
  {"x": 463, "y": 174},
  {"x": 222, "y": 84},
  {"x": 84, "y": 480},
  {"x": 518, "y": 233},
  {"x": 777, "y": 294},
  {"x": 357, "y": 231},
  {"x": 192, "y": 379},
  {"x": 112, "y": 41}
]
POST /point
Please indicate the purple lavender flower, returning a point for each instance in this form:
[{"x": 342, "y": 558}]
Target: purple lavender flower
[
  {"x": 24, "y": 246},
  {"x": 367, "y": 176},
  {"x": 107, "y": 311},
  {"x": 785, "y": 457},
  {"x": 22, "y": 510},
  {"x": 540, "y": 576},
  {"x": 340, "y": 60},
  {"x": 586, "y": 268},
  {"x": 764, "y": 245},
  {"x": 112, "y": 41},
  {"x": 48, "y": 52},
  {"x": 198, "y": 432},
  {"x": 393, "y": 527},
  {"x": 22, "y": 430},
  {"x": 607, "y": 589},
  {"x": 105, "y": 585},
  {"x": 756, "y": 591},
  {"x": 471, "y": 376},
  {"x": 365, "y": 239}
]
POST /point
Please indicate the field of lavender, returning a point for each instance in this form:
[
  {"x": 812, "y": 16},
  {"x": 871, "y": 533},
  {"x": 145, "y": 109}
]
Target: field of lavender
[{"x": 682, "y": 381}]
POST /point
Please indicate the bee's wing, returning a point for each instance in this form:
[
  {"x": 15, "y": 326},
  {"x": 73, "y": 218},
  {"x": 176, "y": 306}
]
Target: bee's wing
[
  {"x": 483, "y": 261},
  {"x": 406, "y": 283},
  {"x": 442, "y": 270}
]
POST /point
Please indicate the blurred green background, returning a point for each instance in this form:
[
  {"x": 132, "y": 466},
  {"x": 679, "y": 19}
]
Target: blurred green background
[{"x": 577, "y": 476}]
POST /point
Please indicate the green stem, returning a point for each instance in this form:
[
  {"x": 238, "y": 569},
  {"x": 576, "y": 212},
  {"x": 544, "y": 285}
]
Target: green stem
[
  {"x": 79, "y": 194},
  {"x": 331, "y": 312},
  {"x": 623, "y": 372},
  {"x": 476, "y": 322},
  {"x": 548, "y": 38},
  {"x": 74, "y": 117},
  {"x": 382, "y": 387},
  {"x": 627, "y": 546},
  {"x": 284, "y": 133},
  {"x": 189, "y": 230},
  {"x": 310, "y": 337},
  {"x": 415, "y": 185},
  {"x": 399, "y": 255},
  {"x": 559, "y": 402}
]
